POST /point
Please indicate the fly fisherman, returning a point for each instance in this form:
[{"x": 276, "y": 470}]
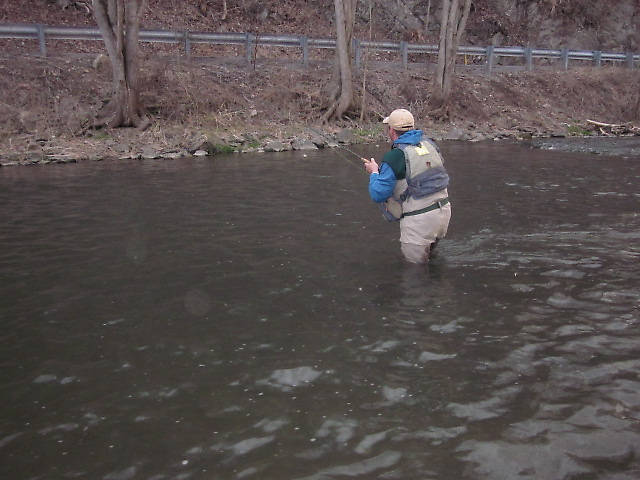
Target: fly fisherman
[{"x": 411, "y": 186}]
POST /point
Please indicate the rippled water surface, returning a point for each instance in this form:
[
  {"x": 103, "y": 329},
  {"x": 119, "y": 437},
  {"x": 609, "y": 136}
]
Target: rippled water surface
[{"x": 251, "y": 317}]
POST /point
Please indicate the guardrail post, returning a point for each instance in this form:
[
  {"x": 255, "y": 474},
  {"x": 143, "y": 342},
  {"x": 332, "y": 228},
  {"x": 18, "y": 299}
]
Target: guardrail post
[
  {"x": 597, "y": 58},
  {"x": 528, "y": 56},
  {"x": 304, "y": 43},
  {"x": 41, "y": 40},
  {"x": 630, "y": 60},
  {"x": 404, "y": 51},
  {"x": 357, "y": 52},
  {"x": 249, "y": 46},
  {"x": 187, "y": 43},
  {"x": 490, "y": 58},
  {"x": 565, "y": 58}
]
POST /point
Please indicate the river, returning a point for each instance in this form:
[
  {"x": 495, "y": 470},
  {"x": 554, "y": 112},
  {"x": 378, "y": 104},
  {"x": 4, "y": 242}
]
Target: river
[{"x": 251, "y": 317}]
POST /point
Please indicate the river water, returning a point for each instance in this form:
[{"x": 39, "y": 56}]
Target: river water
[{"x": 251, "y": 317}]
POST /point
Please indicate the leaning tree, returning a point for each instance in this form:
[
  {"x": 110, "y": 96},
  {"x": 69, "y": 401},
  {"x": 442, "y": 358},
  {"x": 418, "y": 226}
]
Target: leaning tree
[
  {"x": 119, "y": 23},
  {"x": 341, "y": 97}
]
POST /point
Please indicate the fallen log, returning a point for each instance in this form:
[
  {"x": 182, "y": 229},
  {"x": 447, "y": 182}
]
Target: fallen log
[
  {"x": 613, "y": 129},
  {"x": 601, "y": 124}
]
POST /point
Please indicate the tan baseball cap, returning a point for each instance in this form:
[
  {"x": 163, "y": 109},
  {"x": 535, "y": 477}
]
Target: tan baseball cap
[{"x": 400, "y": 119}]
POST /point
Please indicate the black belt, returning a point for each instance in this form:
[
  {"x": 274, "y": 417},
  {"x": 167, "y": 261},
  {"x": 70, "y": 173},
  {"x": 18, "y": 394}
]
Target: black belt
[{"x": 438, "y": 204}]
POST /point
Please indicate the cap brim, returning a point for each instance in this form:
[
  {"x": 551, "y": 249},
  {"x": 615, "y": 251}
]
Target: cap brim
[{"x": 386, "y": 120}]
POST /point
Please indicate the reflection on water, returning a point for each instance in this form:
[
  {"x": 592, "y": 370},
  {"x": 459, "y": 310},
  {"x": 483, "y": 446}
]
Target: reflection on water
[{"x": 252, "y": 318}]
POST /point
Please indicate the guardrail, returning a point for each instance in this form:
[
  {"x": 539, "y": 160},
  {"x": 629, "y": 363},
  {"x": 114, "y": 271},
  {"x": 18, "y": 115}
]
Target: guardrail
[{"x": 250, "y": 41}]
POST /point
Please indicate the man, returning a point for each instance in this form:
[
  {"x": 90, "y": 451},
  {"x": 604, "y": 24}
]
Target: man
[{"x": 411, "y": 186}]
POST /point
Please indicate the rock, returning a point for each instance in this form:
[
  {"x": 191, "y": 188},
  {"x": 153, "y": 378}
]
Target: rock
[
  {"x": 477, "y": 137},
  {"x": 119, "y": 147},
  {"x": 149, "y": 152},
  {"x": 175, "y": 155},
  {"x": 200, "y": 153},
  {"x": 455, "y": 134},
  {"x": 65, "y": 160},
  {"x": 303, "y": 144},
  {"x": 276, "y": 146},
  {"x": 210, "y": 143},
  {"x": 319, "y": 141},
  {"x": 345, "y": 136}
]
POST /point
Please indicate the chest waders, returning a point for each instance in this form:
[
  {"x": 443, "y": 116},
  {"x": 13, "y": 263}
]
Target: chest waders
[{"x": 425, "y": 175}]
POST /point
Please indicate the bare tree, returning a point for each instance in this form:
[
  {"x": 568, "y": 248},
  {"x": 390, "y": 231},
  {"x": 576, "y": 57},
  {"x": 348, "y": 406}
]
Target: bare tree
[
  {"x": 119, "y": 23},
  {"x": 363, "y": 107},
  {"x": 452, "y": 25},
  {"x": 341, "y": 98}
]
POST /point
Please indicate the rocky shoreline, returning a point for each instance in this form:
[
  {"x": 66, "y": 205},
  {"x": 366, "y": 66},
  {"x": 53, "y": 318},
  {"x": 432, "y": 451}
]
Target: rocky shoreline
[{"x": 130, "y": 144}]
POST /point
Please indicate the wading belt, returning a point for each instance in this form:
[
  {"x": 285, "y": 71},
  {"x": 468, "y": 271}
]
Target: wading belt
[{"x": 438, "y": 204}]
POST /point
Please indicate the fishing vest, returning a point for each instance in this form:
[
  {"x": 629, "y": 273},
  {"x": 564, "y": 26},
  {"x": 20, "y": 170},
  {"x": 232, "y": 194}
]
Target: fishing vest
[{"x": 425, "y": 175}]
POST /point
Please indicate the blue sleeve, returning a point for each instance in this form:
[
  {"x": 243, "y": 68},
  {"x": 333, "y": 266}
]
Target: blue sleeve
[{"x": 381, "y": 185}]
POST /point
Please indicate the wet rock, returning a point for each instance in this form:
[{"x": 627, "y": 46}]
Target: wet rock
[
  {"x": 345, "y": 136},
  {"x": 200, "y": 153},
  {"x": 65, "y": 160},
  {"x": 456, "y": 134},
  {"x": 276, "y": 146},
  {"x": 175, "y": 155},
  {"x": 319, "y": 141},
  {"x": 119, "y": 147},
  {"x": 302, "y": 144},
  {"x": 149, "y": 152},
  {"x": 210, "y": 143}
]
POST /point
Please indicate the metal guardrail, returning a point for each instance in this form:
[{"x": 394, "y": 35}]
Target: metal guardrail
[{"x": 250, "y": 41}]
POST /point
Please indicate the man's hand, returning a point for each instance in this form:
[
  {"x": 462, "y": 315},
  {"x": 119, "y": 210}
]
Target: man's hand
[{"x": 370, "y": 166}]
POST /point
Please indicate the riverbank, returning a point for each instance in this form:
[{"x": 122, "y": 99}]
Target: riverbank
[{"x": 212, "y": 106}]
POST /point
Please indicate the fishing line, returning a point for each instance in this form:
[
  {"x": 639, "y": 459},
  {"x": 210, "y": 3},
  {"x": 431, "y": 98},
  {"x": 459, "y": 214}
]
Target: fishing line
[{"x": 344, "y": 157}]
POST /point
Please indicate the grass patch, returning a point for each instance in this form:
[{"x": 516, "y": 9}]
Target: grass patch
[
  {"x": 223, "y": 148},
  {"x": 577, "y": 131}
]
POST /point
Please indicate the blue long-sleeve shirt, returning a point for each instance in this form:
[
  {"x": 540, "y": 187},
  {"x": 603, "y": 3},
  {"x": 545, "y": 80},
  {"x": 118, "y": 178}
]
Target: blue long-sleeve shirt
[{"x": 381, "y": 185}]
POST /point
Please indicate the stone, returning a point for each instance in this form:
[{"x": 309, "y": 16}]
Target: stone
[
  {"x": 345, "y": 136},
  {"x": 275, "y": 146},
  {"x": 209, "y": 143},
  {"x": 455, "y": 134},
  {"x": 319, "y": 141},
  {"x": 175, "y": 155},
  {"x": 149, "y": 152},
  {"x": 303, "y": 144},
  {"x": 119, "y": 147},
  {"x": 200, "y": 153}
]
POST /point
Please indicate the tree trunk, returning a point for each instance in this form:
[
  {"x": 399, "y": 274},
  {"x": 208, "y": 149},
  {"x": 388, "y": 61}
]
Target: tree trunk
[
  {"x": 119, "y": 23},
  {"x": 452, "y": 25},
  {"x": 342, "y": 97}
]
